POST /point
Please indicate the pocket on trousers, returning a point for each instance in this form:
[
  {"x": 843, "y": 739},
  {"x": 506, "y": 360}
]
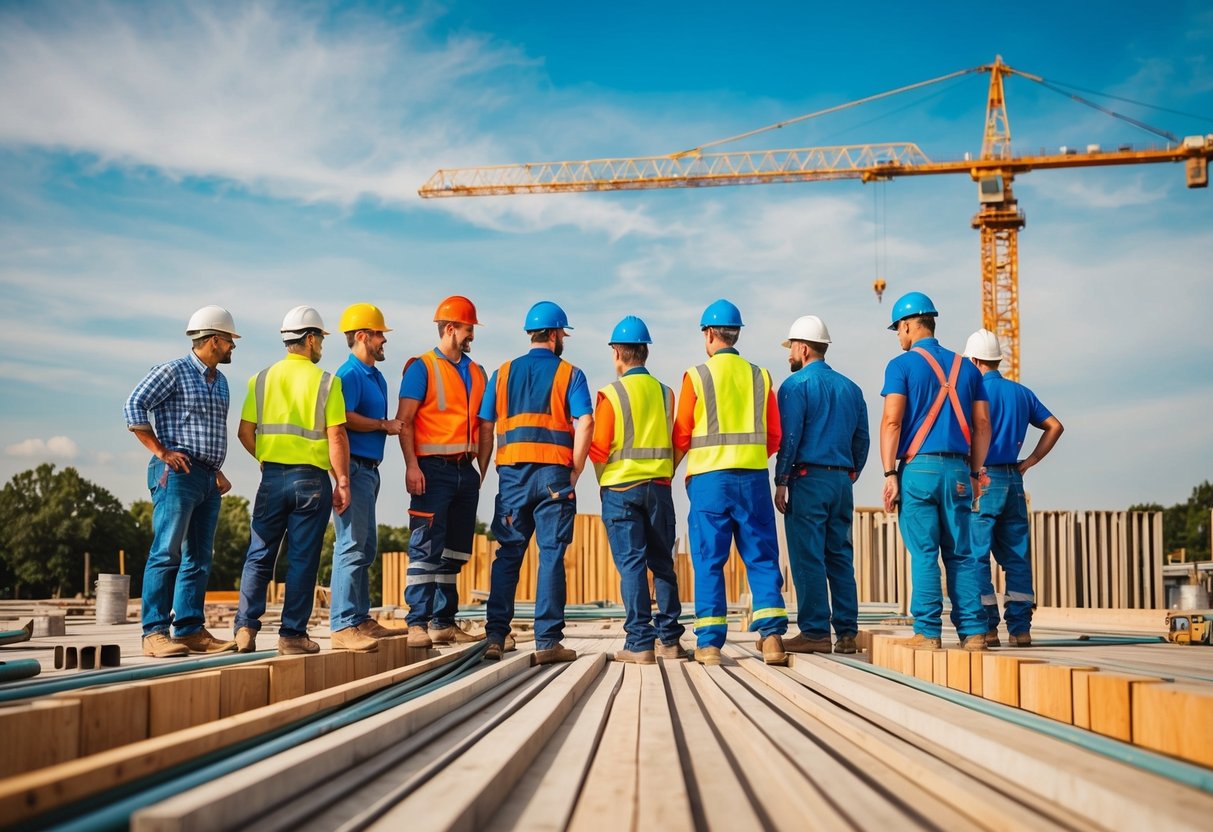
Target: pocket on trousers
[{"x": 307, "y": 495}]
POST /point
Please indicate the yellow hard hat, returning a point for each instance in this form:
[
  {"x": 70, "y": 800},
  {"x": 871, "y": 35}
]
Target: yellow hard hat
[{"x": 362, "y": 316}]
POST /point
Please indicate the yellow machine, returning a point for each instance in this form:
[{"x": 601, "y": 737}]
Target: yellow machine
[{"x": 1190, "y": 626}]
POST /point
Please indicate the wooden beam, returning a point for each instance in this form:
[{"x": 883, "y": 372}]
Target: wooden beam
[
  {"x": 610, "y": 787},
  {"x": 1000, "y": 677},
  {"x": 243, "y": 688},
  {"x": 1048, "y": 689},
  {"x": 38, "y": 735},
  {"x": 110, "y": 716},
  {"x": 1175, "y": 719},
  {"x": 1112, "y": 702},
  {"x": 177, "y": 703}
]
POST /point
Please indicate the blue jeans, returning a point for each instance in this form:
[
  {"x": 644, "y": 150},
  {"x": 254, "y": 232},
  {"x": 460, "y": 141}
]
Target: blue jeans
[
  {"x": 442, "y": 525},
  {"x": 935, "y": 516},
  {"x": 354, "y": 550},
  {"x": 726, "y": 506},
  {"x": 295, "y": 501},
  {"x": 185, "y": 512},
  {"x": 1001, "y": 526},
  {"x": 640, "y": 527},
  {"x": 537, "y": 499},
  {"x": 818, "y": 525}
]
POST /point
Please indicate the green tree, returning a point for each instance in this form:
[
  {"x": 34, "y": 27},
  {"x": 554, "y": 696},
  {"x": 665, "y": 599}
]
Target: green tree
[
  {"x": 1186, "y": 525},
  {"x": 231, "y": 543},
  {"x": 48, "y": 520}
]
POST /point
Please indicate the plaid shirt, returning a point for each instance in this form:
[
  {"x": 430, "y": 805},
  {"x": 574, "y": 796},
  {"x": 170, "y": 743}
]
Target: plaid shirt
[{"x": 190, "y": 414}]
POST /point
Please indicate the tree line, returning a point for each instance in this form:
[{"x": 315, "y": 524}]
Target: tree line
[{"x": 1186, "y": 525}]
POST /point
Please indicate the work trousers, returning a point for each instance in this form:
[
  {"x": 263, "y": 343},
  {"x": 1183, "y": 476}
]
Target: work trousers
[
  {"x": 1000, "y": 527},
  {"x": 354, "y": 549},
  {"x": 442, "y": 525},
  {"x": 818, "y": 523}
]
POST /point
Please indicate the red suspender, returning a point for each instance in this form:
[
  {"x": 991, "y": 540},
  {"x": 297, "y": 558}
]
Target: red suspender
[{"x": 947, "y": 390}]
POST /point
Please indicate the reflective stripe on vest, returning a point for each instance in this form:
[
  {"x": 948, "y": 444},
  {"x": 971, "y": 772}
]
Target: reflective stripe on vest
[
  {"x": 545, "y": 437},
  {"x": 712, "y": 410},
  {"x": 316, "y": 433},
  {"x": 652, "y": 455},
  {"x": 947, "y": 390},
  {"x": 445, "y": 423},
  {"x": 725, "y": 437}
]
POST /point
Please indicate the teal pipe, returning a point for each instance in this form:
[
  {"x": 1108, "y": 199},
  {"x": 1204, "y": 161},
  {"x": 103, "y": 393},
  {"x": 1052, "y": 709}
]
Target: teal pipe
[
  {"x": 17, "y": 636},
  {"x": 1096, "y": 641},
  {"x": 19, "y": 669},
  {"x": 1186, "y": 773}
]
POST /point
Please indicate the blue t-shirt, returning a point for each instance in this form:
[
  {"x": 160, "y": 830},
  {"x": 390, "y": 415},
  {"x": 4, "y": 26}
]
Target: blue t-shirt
[
  {"x": 1012, "y": 408},
  {"x": 824, "y": 421},
  {"x": 365, "y": 394},
  {"x": 531, "y": 378},
  {"x": 416, "y": 379},
  {"x": 911, "y": 376}
]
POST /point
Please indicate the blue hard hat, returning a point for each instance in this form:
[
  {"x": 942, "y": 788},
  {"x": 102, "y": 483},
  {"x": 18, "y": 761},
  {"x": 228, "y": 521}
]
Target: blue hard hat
[
  {"x": 631, "y": 330},
  {"x": 720, "y": 313},
  {"x": 546, "y": 315},
  {"x": 911, "y": 305}
]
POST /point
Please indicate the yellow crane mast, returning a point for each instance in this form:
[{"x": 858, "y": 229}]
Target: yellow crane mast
[{"x": 998, "y": 219}]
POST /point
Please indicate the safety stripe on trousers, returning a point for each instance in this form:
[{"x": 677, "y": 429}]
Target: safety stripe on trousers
[
  {"x": 413, "y": 580},
  {"x": 451, "y": 554},
  {"x": 712, "y": 621},
  {"x": 629, "y": 430},
  {"x": 1027, "y": 597},
  {"x": 714, "y": 437},
  {"x": 989, "y": 600},
  {"x": 322, "y": 398},
  {"x": 769, "y": 612}
]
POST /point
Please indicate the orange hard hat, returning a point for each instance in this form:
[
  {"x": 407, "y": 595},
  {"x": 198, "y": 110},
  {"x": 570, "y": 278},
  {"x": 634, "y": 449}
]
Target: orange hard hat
[{"x": 457, "y": 308}]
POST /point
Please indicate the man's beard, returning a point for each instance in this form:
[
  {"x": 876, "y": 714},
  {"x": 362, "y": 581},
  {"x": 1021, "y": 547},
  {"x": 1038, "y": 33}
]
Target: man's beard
[
  {"x": 465, "y": 345},
  {"x": 796, "y": 364},
  {"x": 559, "y": 349}
]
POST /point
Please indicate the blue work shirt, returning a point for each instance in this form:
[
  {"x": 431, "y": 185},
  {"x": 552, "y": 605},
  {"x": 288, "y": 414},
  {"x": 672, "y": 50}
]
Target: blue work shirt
[
  {"x": 416, "y": 380},
  {"x": 530, "y": 388},
  {"x": 365, "y": 391},
  {"x": 824, "y": 420},
  {"x": 1012, "y": 408},
  {"x": 911, "y": 376},
  {"x": 190, "y": 413}
]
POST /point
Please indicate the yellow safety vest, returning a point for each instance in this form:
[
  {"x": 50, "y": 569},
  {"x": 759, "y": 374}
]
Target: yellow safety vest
[
  {"x": 730, "y": 415},
  {"x": 292, "y": 403},
  {"x": 641, "y": 448}
]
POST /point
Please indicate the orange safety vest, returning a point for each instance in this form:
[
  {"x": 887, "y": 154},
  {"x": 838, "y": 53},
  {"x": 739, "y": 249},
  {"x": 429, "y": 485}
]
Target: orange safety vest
[
  {"x": 947, "y": 390},
  {"x": 446, "y": 421},
  {"x": 544, "y": 431}
]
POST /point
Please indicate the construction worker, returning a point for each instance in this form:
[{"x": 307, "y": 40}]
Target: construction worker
[
  {"x": 822, "y": 453},
  {"x": 293, "y": 423},
  {"x": 1000, "y": 525},
  {"x": 727, "y": 426},
  {"x": 440, "y": 395},
  {"x": 187, "y": 398},
  {"x": 936, "y": 420},
  {"x": 633, "y": 456},
  {"x": 538, "y": 407},
  {"x": 367, "y": 428}
]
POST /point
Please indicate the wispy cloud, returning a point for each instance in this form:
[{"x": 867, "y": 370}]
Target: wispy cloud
[{"x": 61, "y": 447}]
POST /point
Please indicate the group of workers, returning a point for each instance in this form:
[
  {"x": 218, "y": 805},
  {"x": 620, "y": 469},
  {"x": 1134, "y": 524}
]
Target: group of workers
[{"x": 320, "y": 438}]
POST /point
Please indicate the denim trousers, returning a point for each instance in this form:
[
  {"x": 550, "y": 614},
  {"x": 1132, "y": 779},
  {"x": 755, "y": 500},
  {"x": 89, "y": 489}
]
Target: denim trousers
[
  {"x": 818, "y": 525},
  {"x": 442, "y": 524},
  {"x": 538, "y": 499},
  {"x": 934, "y": 519},
  {"x": 640, "y": 527},
  {"x": 728, "y": 506},
  {"x": 354, "y": 549},
  {"x": 1000, "y": 527},
  {"x": 185, "y": 512},
  {"x": 292, "y": 501}
]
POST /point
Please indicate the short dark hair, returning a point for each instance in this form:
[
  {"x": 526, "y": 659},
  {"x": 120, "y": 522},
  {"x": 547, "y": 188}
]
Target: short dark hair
[
  {"x": 442, "y": 325},
  {"x": 296, "y": 342},
  {"x": 727, "y": 334},
  {"x": 351, "y": 337},
  {"x": 632, "y": 353},
  {"x": 819, "y": 347},
  {"x": 927, "y": 321}
]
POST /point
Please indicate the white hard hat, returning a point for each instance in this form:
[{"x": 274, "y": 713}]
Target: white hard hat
[
  {"x": 299, "y": 320},
  {"x": 808, "y": 328},
  {"x": 983, "y": 345},
  {"x": 210, "y": 320}
]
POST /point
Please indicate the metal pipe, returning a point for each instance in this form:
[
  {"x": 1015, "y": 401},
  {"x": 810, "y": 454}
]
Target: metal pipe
[{"x": 19, "y": 669}]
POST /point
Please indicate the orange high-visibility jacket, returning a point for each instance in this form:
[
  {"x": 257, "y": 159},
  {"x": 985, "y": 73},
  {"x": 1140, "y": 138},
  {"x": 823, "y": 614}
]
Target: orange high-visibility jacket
[{"x": 446, "y": 421}]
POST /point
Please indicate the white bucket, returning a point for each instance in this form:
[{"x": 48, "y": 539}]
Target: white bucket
[
  {"x": 113, "y": 592},
  {"x": 1190, "y": 597}
]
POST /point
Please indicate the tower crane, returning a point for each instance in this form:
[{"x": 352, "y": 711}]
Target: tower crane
[{"x": 998, "y": 218}]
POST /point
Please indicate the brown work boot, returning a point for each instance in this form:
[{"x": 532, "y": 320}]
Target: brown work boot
[
  {"x": 296, "y": 646},
  {"x": 992, "y": 639},
  {"x": 552, "y": 655},
  {"x": 374, "y": 629},
  {"x": 418, "y": 637},
  {"x": 493, "y": 651},
  {"x": 707, "y": 655},
  {"x": 452, "y": 635},
  {"x": 203, "y": 642},
  {"x": 673, "y": 651},
  {"x": 161, "y": 646},
  {"x": 845, "y": 644},
  {"x": 246, "y": 640},
  {"x": 975, "y": 643},
  {"x": 636, "y": 656},
  {"x": 772, "y": 649},
  {"x": 1021, "y": 640},
  {"x": 354, "y": 640},
  {"x": 920, "y": 642},
  {"x": 510, "y": 644},
  {"x": 803, "y": 644}
]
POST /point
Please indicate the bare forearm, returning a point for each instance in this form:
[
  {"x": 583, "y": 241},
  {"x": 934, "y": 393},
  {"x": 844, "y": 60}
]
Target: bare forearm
[
  {"x": 247, "y": 434},
  {"x": 1053, "y": 431},
  {"x": 484, "y": 451},
  {"x": 583, "y": 436},
  {"x": 148, "y": 439},
  {"x": 363, "y": 424},
  {"x": 981, "y": 435},
  {"x": 339, "y": 453}
]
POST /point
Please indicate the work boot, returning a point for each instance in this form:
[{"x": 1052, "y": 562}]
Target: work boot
[
  {"x": 992, "y": 639},
  {"x": 552, "y": 655},
  {"x": 493, "y": 651},
  {"x": 161, "y": 646},
  {"x": 707, "y": 655},
  {"x": 636, "y": 656},
  {"x": 845, "y": 644},
  {"x": 354, "y": 640},
  {"x": 203, "y": 642},
  {"x": 773, "y": 651},
  {"x": 975, "y": 643},
  {"x": 510, "y": 644},
  {"x": 673, "y": 651},
  {"x": 804, "y": 644},
  {"x": 418, "y": 637},
  {"x": 452, "y": 635},
  {"x": 374, "y": 629},
  {"x": 920, "y": 642},
  {"x": 246, "y": 640},
  {"x": 296, "y": 646},
  {"x": 1021, "y": 640}
]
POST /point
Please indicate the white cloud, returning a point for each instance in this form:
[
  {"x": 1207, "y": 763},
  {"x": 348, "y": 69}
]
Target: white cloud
[{"x": 57, "y": 446}]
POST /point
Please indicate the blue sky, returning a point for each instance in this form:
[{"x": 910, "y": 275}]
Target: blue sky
[{"x": 156, "y": 157}]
